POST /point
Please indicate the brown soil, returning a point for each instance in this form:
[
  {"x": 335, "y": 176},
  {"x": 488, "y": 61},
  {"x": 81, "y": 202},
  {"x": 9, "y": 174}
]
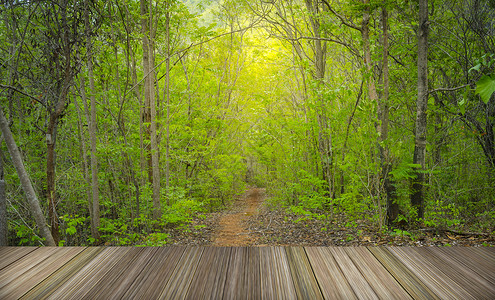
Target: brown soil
[{"x": 232, "y": 227}]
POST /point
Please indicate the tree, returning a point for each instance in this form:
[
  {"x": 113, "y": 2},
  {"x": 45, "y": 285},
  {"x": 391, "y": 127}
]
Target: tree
[
  {"x": 417, "y": 197},
  {"x": 91, "y": 118},
  {"x": 3, "y": 206},
  {"x": 25, "y": 181},
  {"x": 150, "y": 117}
]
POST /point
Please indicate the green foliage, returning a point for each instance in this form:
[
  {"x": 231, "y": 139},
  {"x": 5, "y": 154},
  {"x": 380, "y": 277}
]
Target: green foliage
[
  {"x": 247, "y": 109},
  {"x": 442, "y": 215},
  {"x": 156, "y": 239},
  {"x": 485, "y": 87},
  {"x": 26, "y": 237},
  {"x": 180, "y": 213},
  {"x": 353, "y": 204},
  {"x": 404, "y": 172},
  {"x": 72, "y": 222}
]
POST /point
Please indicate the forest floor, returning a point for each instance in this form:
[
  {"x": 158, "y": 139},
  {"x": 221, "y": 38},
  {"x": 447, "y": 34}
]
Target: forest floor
[{"x": 251, "y": 221}]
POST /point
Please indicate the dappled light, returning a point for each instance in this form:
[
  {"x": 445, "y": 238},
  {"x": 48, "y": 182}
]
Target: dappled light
[{"x": 316, "y": 122}]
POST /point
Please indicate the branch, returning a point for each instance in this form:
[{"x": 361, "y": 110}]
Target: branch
[
  {"x": 21, "y": 92},
  {"x": 348, "y": 46},
  {"x": 449, "y": 89},
  {"x": 341, "y": 17},
  {"x": 396, "y": 60}
]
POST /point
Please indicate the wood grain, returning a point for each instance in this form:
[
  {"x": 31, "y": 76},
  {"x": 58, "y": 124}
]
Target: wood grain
[{"x": 246, "y": 273}]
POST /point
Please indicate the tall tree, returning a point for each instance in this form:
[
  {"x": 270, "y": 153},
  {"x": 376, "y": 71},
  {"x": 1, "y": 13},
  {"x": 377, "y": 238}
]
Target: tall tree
[
  {"x": 3, "y": 205},
  {"x": 316, "y": 10},
  {"x": 60, "y": 26},
  {"x": 91, "y": 118},
  {"x": 417, "y": 196},
  {"x": 167, "y": 97},
  {"x": 26, "y": 184},
  {"x": 383, "y": 117},
  {"x": 150, "y": 116}
]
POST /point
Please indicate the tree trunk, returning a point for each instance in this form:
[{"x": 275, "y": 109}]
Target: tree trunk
[
  {"x": 51, "y": 140},
  {"x": 167, "y": 91},
  {"x": 50, "y": 178},
  {"x": 373, "y": 96},
  {"x": 417, "y": 197},
  {"x": 383, "y": 115},
  {"x": 150, "y": 105},
  {"x": 82, "y": 147},
  {"x": 146, "y": 117},
  {"x": 26, "y": 182},
  {"x": 155, "y": 150},
  {"x": 3, "y": 206},
  {"x": 324, "y": 135},
  {"x": 95, "y": 221}
]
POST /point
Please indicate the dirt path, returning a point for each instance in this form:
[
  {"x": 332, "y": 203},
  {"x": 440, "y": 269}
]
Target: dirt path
[{"x": 231, "y": 229}]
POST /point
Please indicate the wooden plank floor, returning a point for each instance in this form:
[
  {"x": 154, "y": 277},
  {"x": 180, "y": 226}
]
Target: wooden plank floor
[{"x": 247, "y": 273}]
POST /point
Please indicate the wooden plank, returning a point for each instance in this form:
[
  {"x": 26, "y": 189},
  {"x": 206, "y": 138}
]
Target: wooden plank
[
  {"x": 361, "y": 287},
  {"x": 243, "y": 275},
  {"x": 211, "y": 274},
  {"x": 405, "y": 276},
  {"x": 39, "y": 270},
  {"x": 181, "y": 277},
  {"x": 458, "y": 278},
  {"x": 303, "y": 277},
  {"x": 247, "y": 273},
  {"x": 89, "y": 276},
  {"x": 119, "y": 277},
  {"x": 333, "y": 284},
  {"x": 155, "y": 275},
  {"x": 253, "y": 278},
  {"x": 59, "y": 277},
  {"x": 11, "y": 254},
  {"x": 383, "y": 284},
  {"x": 487, "y": 252},
  {"x": 474, "y": 260},
  {"x": 276, "y": 280},
  {"x": 18, "y": 267},
  {"x": 421, "y": 263}
]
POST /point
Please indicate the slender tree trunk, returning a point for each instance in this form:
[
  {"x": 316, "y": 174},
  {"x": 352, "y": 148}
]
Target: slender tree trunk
[
  {"x": 146, "y": 116},
  {"x": 83, "y": 151},
  {"x": 25, "y": 182},
  {"x": 50, "y": 175},
  {"x": 51, "y": 140},
  {"x": 95, "y": 221},
  {"x": 150, "y": 105},
  {"x": 139, "y": 98},
  {"x": 417, "y": 197},
  {"x": 383, "y": 111},
  {"x": 373, "y": 96},
  {"x": 155, "y": 157},
  {"x": 155, "y": 150},
  {"x": 167, "y": 91},
  {"x": 324, "y": 135},
  {"x": 3, "y": 205}
]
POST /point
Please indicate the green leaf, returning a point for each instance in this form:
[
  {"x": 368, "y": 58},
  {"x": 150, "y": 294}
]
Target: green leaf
[
  {"x": 486, "y": 87},
  {"x": 71, "y": 230},
  {"x": 462, "y": 105},
  {"x": 477, "y": 67}
]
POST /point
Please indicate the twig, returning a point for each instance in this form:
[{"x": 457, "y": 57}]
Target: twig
[{"x": 449, "y": 89}]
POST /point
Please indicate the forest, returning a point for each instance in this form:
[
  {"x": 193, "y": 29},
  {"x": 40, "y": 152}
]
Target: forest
[{"x": 130, "y": 122}]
